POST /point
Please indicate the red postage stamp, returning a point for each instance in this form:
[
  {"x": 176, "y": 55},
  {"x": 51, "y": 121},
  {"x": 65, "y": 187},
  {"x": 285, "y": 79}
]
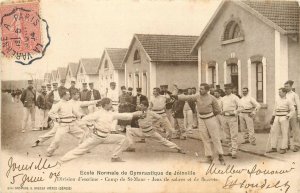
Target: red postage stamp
[{"x": 22, "y": 32}]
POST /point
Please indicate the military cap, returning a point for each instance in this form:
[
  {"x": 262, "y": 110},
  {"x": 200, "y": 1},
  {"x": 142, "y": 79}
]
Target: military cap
[
  {"x": 48, "y": 85},
  {"x": 91, "y": 83},
  {"x": 290, "y": 82},
  {"x": 63, "y": 81},
  {"x": 228, "y": 86},
  {"x": 54, "y": 83},
  {"x": 130, "y": 89},
  {"x": 123, "y": 88},
  {"x": 138, "y": 89},
  {"x": 84, "y": 83},
  {"x": 30, "y": 81},
  {"x": 112, "y": 83}
]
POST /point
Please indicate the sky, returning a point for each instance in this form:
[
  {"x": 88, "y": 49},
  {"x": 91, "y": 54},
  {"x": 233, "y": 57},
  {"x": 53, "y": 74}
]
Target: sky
[{"x": 82, "y": 29}]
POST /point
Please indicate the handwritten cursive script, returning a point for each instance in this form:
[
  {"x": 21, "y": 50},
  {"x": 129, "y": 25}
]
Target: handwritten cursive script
[
  {"x": 236, "y": 176},
  {"x": 254, "y": 170},
  {"x": 232, "y": 182},
  {"x": 16, "y": 170}
]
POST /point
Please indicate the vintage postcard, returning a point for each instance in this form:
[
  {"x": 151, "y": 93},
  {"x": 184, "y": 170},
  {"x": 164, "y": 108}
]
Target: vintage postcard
[{"x": 150, "y": 96}]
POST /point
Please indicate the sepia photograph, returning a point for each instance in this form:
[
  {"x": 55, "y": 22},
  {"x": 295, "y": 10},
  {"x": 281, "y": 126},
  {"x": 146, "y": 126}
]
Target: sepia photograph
[{"x": 150, "y": 96}]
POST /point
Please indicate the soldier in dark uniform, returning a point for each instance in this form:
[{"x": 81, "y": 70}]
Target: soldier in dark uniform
[
  {"x": 28, "y": 99},
  {"x": 129, "y": 92},
  {"x": 62, "y": 87},
  {"x": 93, "y": 94},
  {"x": 164, "y": 92},
  {"x": 84, "y": 92},
  {"x": 124, "y": 106},
  {"x": 73, "y": 89},
  {"x": 136, "y": 103}
]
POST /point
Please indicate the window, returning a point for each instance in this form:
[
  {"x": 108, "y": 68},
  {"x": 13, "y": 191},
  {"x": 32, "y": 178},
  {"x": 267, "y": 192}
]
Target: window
[
  {"x": 259, "y": 82},
  {"x": 105, "y": 64},
  {"x": 213, "y": 75},
  {"x": 232, "y": 32},
  {"x": 234, "y": 75},
  {"x": 136, "y": 56}
]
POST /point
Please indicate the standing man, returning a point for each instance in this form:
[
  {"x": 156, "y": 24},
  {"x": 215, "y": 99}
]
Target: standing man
[
  {"x": 72, "y": 88},
  {"x": 113, "y": 94},
  {"x": 102, "y": 132},
  {"x": 250, "y": 106},
  {"x": 169, "y": 103},
  {"x": 41, "y": 103},
  {"x": 65, "y": 115},
  {"x": 135, "y": 107},
  {"x": 208, "y": 107},
  {"x": 84, "y": 96},
  {"x": 195, "y": 114},
  {"x": 282, "y": 114},
  {"x": 28, "y": 99},
  {"x": 295, "y": 119},
  {"x": 230, "y": 109},
  {"x": 53, "y": 96},
  {"x": 93, "y": 94},
  {"x": 124, "y": 107},
  {"x": 158, "y": 105},
  {"x": 84, "y": 92},
  {"x": 219, "y": 117},
  {"x": 62, "y": 87}
]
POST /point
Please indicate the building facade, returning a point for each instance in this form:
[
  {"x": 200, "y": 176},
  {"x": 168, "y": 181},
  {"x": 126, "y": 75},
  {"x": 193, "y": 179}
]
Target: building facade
[
  {"x": 87, "y": 71},
  {"x": 154, "y": 60},
  {"x": 111, "y": 69},
  {"x": 71, "y": 73},
  {"x": 245, "y": 43}
]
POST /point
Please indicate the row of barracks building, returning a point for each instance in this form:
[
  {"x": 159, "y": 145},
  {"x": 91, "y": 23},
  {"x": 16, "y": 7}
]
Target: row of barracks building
[{"x": 252, "y": 44}]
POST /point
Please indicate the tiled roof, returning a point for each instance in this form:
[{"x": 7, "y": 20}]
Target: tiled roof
[
  {"x": 73, "y": 68},
  {"x": 116, "y": 55},
  {"x": 283, "y": 13},
  {"x": 168, "y": 47},
  {"x": 90, "y": 65},
  {"x": 62, "y": 71}
]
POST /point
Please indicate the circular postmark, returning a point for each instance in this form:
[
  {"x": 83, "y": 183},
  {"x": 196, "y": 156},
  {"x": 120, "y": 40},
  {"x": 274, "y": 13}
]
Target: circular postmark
[{"x": 24, "y": 34}]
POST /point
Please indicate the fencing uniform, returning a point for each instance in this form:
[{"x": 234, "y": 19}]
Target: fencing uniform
[
  {"x": 294, "y": 124},
  {"x": 283, "y": 108},
  {"x": 250, "y": 107},
  {"x": 101, "y": 134},
  {"x": 114, "y": 96},
  {"x": 229, "y": 105},
  {"x": 65, "y": 112},
  {"x": 207, "y": 107},
  {"x": 158, "y": 105},
  {"x": 220, "y": 121},
  {"x": 147, "y": 131},
  {"x": 77, "y": 107}
]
